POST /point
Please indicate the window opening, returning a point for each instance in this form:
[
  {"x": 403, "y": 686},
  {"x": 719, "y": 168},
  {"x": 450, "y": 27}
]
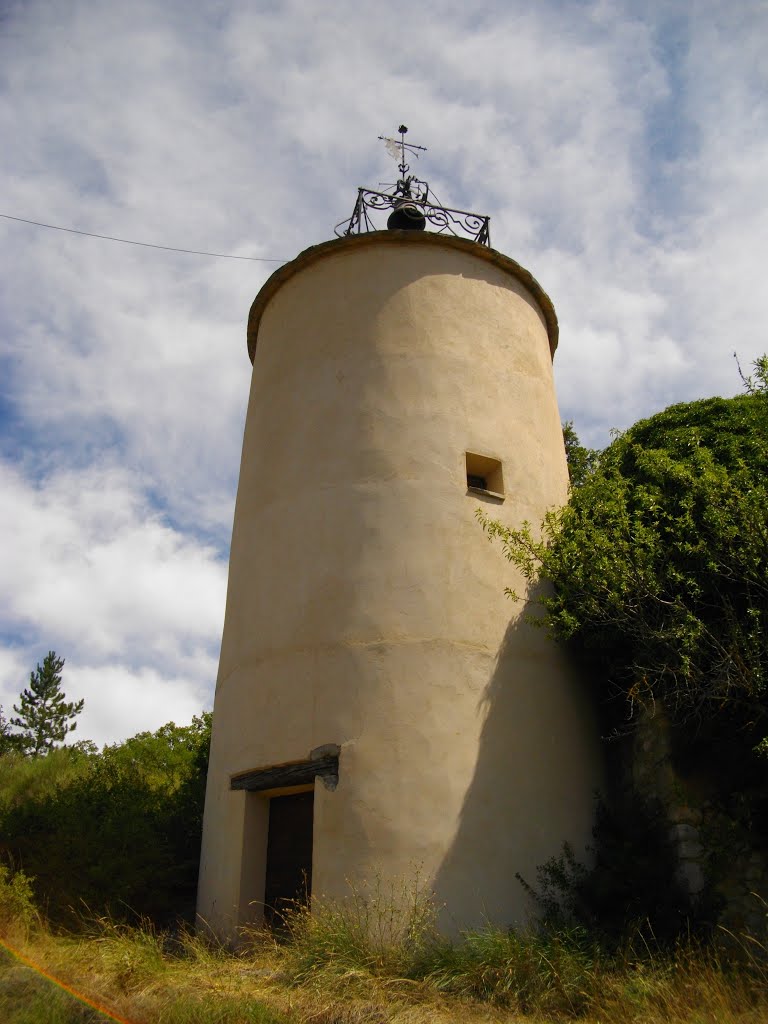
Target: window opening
[{"x": 484, "y": 475}]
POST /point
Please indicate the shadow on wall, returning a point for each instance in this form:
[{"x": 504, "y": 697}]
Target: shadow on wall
[{"x": 538, "y": 766}]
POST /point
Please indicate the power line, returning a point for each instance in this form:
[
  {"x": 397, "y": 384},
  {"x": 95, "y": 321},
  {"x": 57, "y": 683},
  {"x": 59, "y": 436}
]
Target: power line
[{"x": 147, "y": 245}]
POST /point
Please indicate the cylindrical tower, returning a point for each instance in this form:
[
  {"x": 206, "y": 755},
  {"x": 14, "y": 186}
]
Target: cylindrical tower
[{"x": 381, "y": 707}]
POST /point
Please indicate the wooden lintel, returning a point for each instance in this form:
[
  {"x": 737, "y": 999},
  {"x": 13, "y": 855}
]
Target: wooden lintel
[{"x": 298, "y": 773}]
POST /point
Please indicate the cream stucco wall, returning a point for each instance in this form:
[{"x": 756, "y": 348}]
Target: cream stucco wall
[{"x": 365, "y": 606}]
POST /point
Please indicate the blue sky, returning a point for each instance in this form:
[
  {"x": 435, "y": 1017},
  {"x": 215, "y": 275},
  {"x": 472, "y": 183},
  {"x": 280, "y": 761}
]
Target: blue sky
[{"x": 621, "y": 150}]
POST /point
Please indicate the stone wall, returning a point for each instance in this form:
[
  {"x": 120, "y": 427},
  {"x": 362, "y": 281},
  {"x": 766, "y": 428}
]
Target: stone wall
[{"x": 718, "y": 858}]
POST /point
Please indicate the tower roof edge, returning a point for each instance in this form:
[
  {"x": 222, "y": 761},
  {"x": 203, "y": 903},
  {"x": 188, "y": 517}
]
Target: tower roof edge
[{"x": 399, "y": 238}]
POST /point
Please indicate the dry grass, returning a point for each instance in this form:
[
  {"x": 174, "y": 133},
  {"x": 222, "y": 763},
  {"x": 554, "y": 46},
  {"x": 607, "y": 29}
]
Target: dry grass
[
  {"x": 374, "y": 959},
  {"x": 146, "y": 978}
]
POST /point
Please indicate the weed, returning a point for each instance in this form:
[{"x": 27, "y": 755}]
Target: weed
[
  {"x": 18, "y": 912},
  {"x": 132, "y": 957},
  {"x": 216, "y": 1009},
  {"x": 378, "y": 930},
  {"x": 529, "y": 973},
  {"x": 376, "y": 957}
]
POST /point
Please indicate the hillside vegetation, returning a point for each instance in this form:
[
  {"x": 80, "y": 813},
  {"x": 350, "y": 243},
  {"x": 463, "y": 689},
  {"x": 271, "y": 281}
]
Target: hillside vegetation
[{"x": 114, "y": 832}]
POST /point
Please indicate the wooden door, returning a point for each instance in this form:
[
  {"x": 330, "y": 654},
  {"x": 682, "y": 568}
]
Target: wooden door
[{"x": 289, "y": 855}]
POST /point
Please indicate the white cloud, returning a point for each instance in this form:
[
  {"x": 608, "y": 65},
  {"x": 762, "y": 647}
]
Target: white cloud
[
  {"x": 91, "y": 571},
  {"x": 120, "y": 703},
  {"x": 91, "y": 559}
]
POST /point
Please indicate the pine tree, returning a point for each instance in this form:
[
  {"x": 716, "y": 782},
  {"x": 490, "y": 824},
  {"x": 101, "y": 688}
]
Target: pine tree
[{"x": 44, "y": 716}]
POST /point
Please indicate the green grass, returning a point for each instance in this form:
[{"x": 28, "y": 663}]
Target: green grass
[
  {"x": 28, "y": 998},
  {"x": 380, "y": 930},
  {"x": 529, "y": 973},
  {"x": 217, "y": 1009},
  {"x": 371, "y": 959}
]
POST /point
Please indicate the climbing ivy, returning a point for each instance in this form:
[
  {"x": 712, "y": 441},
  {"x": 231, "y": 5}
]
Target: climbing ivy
[{"x": 658, "y": 564}]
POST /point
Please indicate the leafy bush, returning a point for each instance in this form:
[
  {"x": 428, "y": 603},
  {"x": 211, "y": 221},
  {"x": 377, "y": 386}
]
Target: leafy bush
[
  {"x": 658, "y": 567},
  {"x": 28, "y": 779},
  {"x": 17, "y": 906},
  {"x": 114, "y": 833},
  {"x": 659, "y": 562},
  {"x": 629, "y": 887},
  {"x": 658, "y": 573}
]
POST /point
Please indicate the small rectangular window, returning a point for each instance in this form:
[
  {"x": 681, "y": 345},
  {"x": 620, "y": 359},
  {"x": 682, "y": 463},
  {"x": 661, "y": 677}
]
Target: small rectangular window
[{"x": 484, "y": 475}]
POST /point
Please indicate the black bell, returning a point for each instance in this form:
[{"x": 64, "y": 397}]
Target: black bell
[{"x": 406, "y": 216}]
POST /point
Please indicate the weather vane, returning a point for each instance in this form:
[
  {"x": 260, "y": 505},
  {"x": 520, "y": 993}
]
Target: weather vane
[
  {"x": 396, "y": 148},
  {"x": 411, "y": 205},
  {"x": 409, "y": 187}
]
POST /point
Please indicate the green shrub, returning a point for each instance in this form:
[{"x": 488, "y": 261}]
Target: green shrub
[
  {"x": 27, "y": 779},
  {"x": 17, "y": 907},
  {"x": 659, "y": 564},
  {"x": 114, "y": 833},
  {"x": 630, "y": 885}
]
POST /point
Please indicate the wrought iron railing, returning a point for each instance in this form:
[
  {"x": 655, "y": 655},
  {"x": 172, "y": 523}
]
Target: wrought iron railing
[{"x": 441, "y": 219}]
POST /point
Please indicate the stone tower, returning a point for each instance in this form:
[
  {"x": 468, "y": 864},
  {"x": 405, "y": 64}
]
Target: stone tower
[{"x": 381, "y": 707}]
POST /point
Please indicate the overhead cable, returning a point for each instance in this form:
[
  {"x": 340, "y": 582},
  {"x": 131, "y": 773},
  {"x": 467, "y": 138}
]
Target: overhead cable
[{"x": 146, "y": 245}]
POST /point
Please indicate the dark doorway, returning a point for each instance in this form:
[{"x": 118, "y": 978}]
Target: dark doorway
[{"x": 289, "y": 855}]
